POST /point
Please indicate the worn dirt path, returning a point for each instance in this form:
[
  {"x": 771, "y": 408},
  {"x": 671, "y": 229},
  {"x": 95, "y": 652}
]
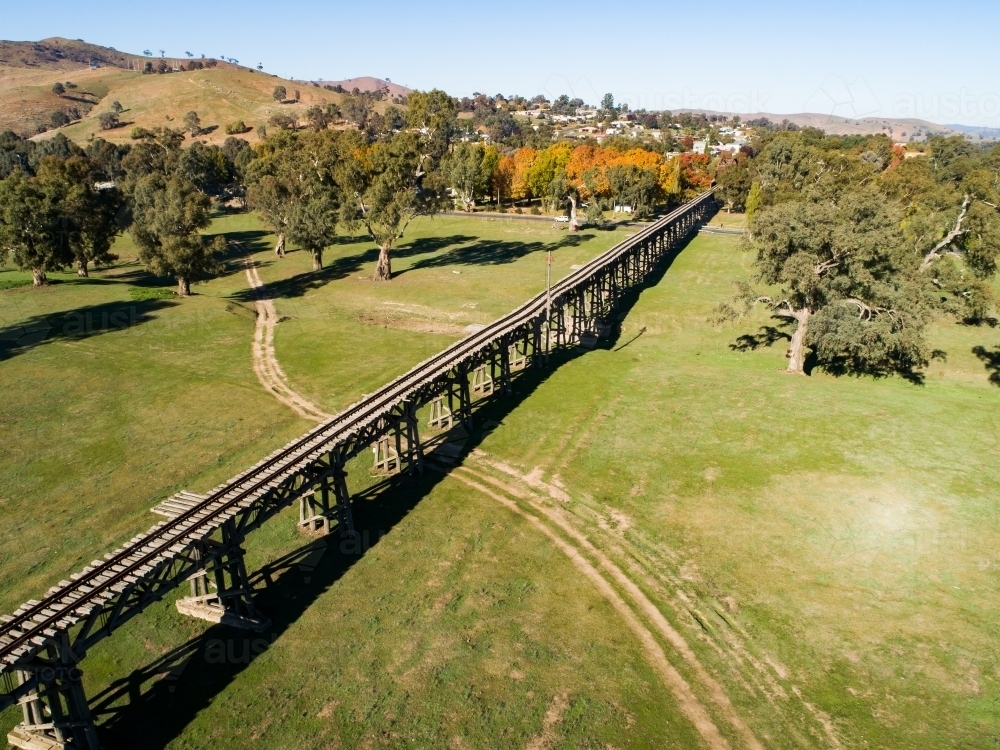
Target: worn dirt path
[
  {"x": 687, "y": 701},
  {"x": 265, "y": 363},
  {"x": 754, "y": 672}
]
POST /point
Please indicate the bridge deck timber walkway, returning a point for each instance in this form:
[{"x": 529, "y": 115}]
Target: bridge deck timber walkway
[{"x": 44, "y": 641}]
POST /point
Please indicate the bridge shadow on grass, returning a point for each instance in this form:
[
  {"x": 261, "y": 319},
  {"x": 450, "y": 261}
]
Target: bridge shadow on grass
[
  {"x": 74, "y": 325},
  {"x": 157, "y": 701}
]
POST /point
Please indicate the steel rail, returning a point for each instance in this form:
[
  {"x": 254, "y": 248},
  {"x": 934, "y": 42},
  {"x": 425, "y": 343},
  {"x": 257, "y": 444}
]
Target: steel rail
[{"x": 33, "y": 622}]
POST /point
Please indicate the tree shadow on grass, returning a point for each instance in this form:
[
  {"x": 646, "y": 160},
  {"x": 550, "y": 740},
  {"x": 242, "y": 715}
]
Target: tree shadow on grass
[
  {"x": 344, "y": 266},
  {"x": 81, "y": 323},
  {"x": 991, "y": 360},
  {"x": 252, "y": 239},
  {"x": 766, "y": 336},
  {"x": 494, "y": 253},
  {"x": 158, "y": 700},
  {"x": 426, "y": 245},
  {"x": 839, "y": 367}
]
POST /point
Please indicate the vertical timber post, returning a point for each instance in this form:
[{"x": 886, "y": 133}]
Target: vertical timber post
[
  {"x": 232, "y": 601},
  {"x": 341, "y": 496},
  {"x": 55, "y": 714}
]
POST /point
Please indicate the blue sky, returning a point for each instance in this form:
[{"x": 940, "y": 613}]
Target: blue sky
[{"x": 852, "y": 59}]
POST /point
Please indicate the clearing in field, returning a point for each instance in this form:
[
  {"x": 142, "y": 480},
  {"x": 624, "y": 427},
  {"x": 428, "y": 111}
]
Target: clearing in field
[{"x": 665, "y": 542}]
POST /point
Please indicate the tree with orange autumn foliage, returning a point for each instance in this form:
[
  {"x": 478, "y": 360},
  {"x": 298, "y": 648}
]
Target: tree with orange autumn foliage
[
  {"x": 695, "y": 175},
  {"x": 502, "y": 179},
  {"x": 523, "y": 159},
  {"x": 636, "y": 177}
]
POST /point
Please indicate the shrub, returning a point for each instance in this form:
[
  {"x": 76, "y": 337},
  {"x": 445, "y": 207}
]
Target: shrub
[
  {"x": 59, "y": 119},
  {"x": 594, "y": 214},
  {"x": 534, "y": 211},
  {"x": 12, "y": 282},
  {"x": 279, "y": 93},
  {"x": 236, "y": 128},
  {"x": 139, "y": 133},
  {"x": 285, "y": 122},
  {"x": 117, "y": 106},
  {"x": 58, "y": 89},
  {"x": 108, "y": 120}
]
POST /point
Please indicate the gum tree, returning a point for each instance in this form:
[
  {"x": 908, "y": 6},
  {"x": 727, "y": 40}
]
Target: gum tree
[
  {"x": 463, "y": 170},
  {"x": 291, "y": 184},
  {"x": 841, "y": 276},
  {"x": 168, "y": 212},
  {"x": 385, "y": 186},
  {"x": 35, "y": 229}
]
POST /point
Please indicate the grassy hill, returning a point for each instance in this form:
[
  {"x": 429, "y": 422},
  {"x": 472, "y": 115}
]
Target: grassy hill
[
  {"x": 220, "y": 95},
  {"x": 899, "y": 129},
  {"x": 368, "y": 83},
  {"x": 57, "y": 53}
]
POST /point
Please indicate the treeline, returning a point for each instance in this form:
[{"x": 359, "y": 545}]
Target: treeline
[
  {"x": 62, "y": 205},
  {"x": 860, "y": 244},
  {"x": 305, "y": 185},
  {"x": 161, "y": 66},
  {"x": 560, "y": 173}
]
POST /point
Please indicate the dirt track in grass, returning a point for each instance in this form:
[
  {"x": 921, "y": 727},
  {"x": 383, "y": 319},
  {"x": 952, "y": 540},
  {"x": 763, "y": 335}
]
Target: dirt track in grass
[
  {"x": 623, "y": 578},
  {"x": 265, "y": 363}
]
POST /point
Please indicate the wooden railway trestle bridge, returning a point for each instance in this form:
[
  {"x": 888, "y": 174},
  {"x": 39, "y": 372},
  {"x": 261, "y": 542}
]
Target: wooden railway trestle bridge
[{"x": 44, "y": 641}]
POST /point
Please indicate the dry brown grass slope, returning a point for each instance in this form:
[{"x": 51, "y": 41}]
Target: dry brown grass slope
[
  {"x": 57, "y": 53},
  {"x": 220, "y": 95}
]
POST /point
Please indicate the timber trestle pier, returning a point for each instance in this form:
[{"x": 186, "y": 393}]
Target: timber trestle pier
[{"x": 43, "y": 643}]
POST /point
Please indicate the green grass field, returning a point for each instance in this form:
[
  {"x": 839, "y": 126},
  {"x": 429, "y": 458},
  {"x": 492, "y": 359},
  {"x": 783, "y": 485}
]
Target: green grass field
[{"x": 665, "y": 542}]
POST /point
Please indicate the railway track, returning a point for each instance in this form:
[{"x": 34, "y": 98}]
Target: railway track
[{"x": 38, "y": 625}]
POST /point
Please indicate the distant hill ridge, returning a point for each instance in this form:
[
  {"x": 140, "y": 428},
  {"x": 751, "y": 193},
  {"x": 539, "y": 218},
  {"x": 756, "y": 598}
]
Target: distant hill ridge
[
  {"x": 56, "y": 53},
  {"x": 367, "y": 83},
  {"x": 899, "y": 129}
]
